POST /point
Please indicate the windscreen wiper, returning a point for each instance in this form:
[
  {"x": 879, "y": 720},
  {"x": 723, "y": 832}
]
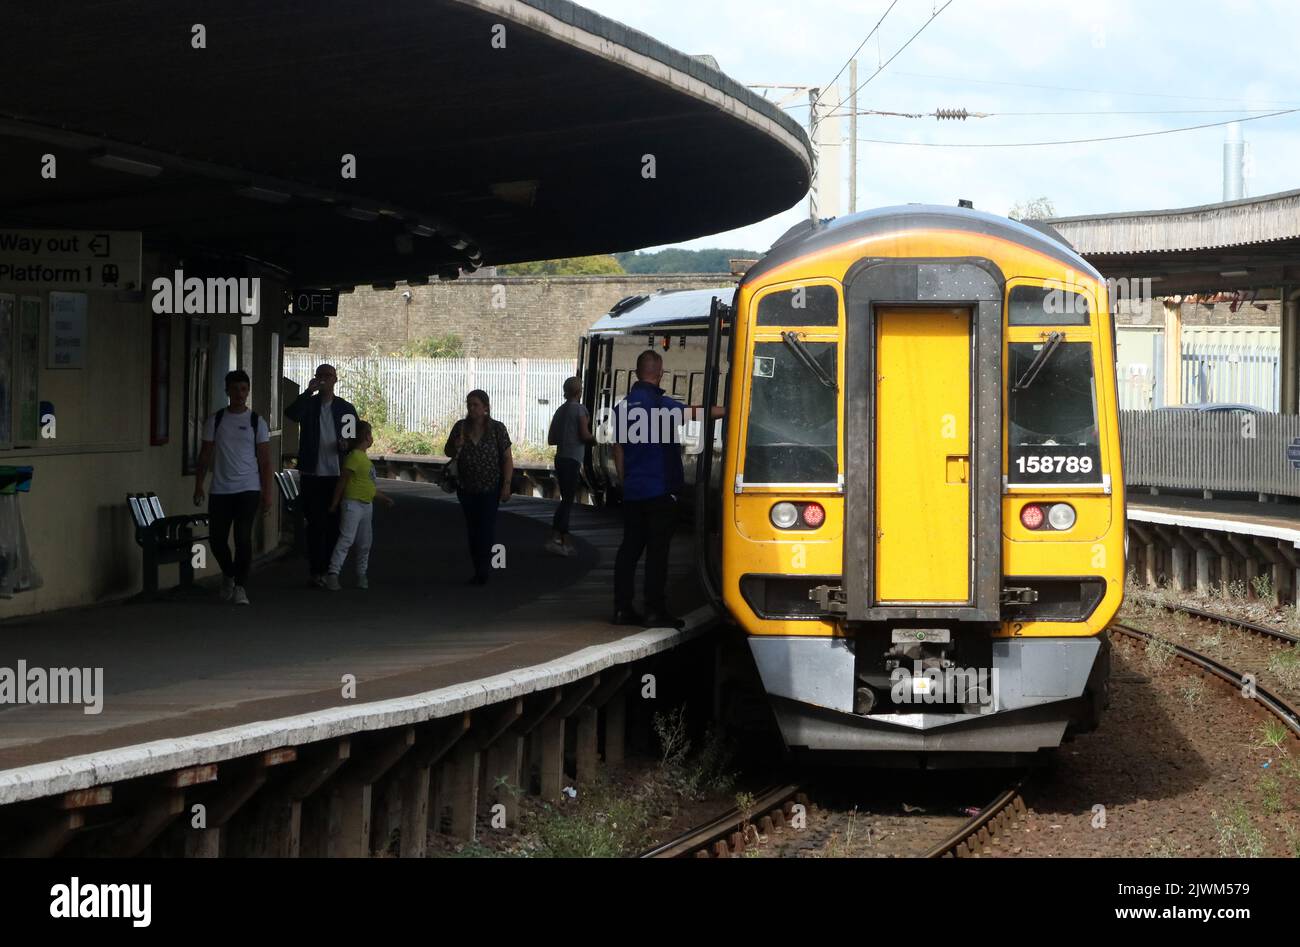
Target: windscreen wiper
[
  {"x": 793, "y": 343},
  {"x": 1047, "y": 351}
]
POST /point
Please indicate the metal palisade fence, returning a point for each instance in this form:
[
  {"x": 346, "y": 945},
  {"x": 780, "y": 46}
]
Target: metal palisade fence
[
  {"x": 428, "y": 394},
  {"x": 1198, "y": 450}
]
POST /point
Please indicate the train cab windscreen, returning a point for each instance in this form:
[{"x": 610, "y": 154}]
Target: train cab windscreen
[
  {"x": 1052, "y": 410},
  {"x": 792, "y": 416}
]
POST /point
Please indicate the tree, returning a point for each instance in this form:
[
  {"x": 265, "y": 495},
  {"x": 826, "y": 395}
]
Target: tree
[
  {"x": 676, "y": 260},
  {"x": 1038, "y": 208},
  {"x": 574, "y": 266}
]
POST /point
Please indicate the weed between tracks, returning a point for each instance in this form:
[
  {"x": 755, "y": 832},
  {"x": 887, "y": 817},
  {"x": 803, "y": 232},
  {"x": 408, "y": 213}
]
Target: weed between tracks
[{"x": 618, "y": 816}]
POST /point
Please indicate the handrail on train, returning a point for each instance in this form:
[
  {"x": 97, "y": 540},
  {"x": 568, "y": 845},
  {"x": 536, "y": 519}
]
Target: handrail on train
[{"x": 704, "y": 462}]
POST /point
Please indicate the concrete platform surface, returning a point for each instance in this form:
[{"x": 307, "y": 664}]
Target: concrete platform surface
[
  {"x": 420, "y": 643},
  {"x": 1244, "y": 517}
]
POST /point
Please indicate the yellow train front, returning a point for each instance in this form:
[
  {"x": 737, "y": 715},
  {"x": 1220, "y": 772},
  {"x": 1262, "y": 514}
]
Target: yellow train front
[{"x": 922, "y": 515}]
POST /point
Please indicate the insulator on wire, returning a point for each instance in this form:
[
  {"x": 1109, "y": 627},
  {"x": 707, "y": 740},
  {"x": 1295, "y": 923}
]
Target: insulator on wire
[{"x": 955, "y": 114}]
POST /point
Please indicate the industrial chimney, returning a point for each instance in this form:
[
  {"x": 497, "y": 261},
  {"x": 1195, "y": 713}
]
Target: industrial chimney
[{"x": 1234, "y": 167}]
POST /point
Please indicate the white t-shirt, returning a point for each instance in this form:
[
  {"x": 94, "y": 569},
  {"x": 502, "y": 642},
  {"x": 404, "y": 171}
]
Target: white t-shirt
[
  {"x": 234, "y": 459},
  {"x": 327, "y": 457}
]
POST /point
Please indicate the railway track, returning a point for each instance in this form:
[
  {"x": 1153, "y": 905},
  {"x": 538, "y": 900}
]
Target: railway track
[
  {"x": 1248, "y": 687},
  {"x": 1254, "y": 628},
  {"x": 729, "y": 834}
]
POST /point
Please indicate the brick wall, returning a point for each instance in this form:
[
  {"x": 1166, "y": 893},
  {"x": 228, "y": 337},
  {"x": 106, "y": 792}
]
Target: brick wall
[
  {"x": 498, "y": 317},
  {"x": 1216, "y": 314}
]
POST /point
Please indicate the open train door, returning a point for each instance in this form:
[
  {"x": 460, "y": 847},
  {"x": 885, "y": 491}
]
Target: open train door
[{"x": 923, "y": 478}]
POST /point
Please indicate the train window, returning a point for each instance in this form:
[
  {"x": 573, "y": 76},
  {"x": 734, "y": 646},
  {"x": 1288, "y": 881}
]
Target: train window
[
  {"x": 679, "y": 384},
  {"x": 793, "y": 422},
  {"x": 1052, "y": 410},
  {"x": 1047, "y": 305},
  {"x": 801, "y": 306}
]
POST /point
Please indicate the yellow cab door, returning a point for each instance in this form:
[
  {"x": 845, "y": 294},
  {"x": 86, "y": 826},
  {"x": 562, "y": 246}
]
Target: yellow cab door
[{"x": 923, "y": 447}]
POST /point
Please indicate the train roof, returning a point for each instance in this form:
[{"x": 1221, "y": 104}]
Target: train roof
[
  {"x": 813, "y": 236},
  {"x": 669, "y": 308}
]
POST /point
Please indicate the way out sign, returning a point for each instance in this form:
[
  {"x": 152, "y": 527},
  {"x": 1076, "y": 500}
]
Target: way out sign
[{"x": 75, "y": 260}]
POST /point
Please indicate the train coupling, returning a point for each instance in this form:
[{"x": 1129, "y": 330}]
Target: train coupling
[{"x": 831, "y": 599}]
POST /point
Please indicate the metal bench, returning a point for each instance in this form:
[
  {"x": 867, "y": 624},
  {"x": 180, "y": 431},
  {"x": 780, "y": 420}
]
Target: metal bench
[{"x": 164, "y": 539}]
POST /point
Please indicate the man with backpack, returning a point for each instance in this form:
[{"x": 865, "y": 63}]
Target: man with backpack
[{"x": 237, "y": 449}]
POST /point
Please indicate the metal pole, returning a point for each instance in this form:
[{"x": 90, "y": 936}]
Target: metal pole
[
  {"x": 813, "y": 121},
  {"x": 853, "y": 137}
]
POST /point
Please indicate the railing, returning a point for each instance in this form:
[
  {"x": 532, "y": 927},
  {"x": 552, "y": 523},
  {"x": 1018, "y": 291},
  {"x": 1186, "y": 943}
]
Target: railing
[
  {"x": 428, "y": 394},
  {"x": 1197, "y": 450},
  {"x": 1232, "y": 374}
]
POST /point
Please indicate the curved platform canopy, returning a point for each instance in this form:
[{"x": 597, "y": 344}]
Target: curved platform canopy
[
  {"x": 483, "y": 131},
  {"x": 1243, "y": 244}
]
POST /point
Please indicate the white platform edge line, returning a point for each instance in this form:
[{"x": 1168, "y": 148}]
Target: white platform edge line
[
  {"x": 1209, "y": 522},
  {"x": 145, "y": 759}
]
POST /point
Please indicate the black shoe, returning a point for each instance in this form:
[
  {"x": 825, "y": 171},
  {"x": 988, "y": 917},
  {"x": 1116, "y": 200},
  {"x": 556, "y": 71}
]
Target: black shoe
[
  {"x": 477, "y": 580},
  {"x": 663, "y": 620},
  {"x": 626, "y": 616}
]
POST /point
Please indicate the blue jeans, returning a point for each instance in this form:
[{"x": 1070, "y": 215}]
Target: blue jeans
[{"x": 480, "y": 511}]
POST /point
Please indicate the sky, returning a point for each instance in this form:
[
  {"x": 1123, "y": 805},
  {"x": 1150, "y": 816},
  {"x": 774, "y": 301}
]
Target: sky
[{"x": 1211, "y": 61}]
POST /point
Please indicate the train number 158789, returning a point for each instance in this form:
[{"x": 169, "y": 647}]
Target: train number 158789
[{"x": 1054, "y": 464}]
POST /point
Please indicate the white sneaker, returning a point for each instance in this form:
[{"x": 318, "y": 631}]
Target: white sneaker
[
  {"x": 570, "y": 550},
  {"x": 363, "y": 582},
  {"x": 240, "y": 596},
  {"x": 554, "y": 548},
  {"x": 332, "y": 582},
  {"x": 227, "y": 588}
]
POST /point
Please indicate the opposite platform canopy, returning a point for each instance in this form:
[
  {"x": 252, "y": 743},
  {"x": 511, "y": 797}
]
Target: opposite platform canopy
[{"x": 488, "y": 131}]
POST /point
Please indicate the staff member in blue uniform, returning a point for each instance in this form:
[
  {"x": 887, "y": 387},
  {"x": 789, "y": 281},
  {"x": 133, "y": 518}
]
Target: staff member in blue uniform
[{"x": 649, "y": 463}]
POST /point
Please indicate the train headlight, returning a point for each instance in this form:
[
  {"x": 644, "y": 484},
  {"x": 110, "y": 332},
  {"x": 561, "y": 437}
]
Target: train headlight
[
  {"x": 814, "y": 514},
  {"x": 1032, "y": 516},
  {"x": 784, "y": 515},
  {"x": 1061, "y": 516}
]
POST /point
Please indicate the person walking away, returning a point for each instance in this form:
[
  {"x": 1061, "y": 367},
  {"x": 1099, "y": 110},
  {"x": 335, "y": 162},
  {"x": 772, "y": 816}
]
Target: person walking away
[
  {"x": 484, "y": 468},
  {"x": 354, "y": 498},
  {"x": 649, "y": 464},
  {"x": 321, "y": 417},
  {"x": 237, "y": 449},
  {"x": 570, "y": 432}
]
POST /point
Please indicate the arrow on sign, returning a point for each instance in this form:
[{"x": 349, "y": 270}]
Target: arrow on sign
[{"x": 98, "y": 241}]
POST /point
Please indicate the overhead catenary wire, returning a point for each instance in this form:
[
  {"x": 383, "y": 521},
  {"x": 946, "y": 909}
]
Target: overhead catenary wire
[
  {"x": 945, "y": 113},
  {"x": 822, "y": 90},
  {"x": 1057, "y": 88},
  {"x": 897, "y": 53},
  {"x": 1072, "y": 141}
]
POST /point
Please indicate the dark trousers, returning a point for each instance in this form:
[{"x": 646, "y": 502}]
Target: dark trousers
[
  {"x": 238, "y": 510},
  {"x": 322, "y": 525},
  {"x": 480, "y": 511},
  {"x": 566, "y": 471},
  {"x": 647, "y": 527}
]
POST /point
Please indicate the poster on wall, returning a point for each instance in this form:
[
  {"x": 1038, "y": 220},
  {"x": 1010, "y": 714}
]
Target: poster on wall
[
  {"x": 67, "y": 345},
  {"x": 29, "y": 360}
]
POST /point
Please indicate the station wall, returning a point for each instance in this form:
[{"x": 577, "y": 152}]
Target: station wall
[
  {"x": 79, "y": 528},
  {"x": 496, "y": 317}
]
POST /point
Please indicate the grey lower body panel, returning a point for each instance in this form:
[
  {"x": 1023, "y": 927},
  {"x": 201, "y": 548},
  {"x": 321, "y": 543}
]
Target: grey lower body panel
[{"x": 1035, "y": 686}]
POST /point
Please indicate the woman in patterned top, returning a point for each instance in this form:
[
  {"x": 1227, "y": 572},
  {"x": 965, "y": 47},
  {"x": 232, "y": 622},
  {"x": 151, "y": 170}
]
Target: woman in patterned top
[{"x": 484, "y": 467}]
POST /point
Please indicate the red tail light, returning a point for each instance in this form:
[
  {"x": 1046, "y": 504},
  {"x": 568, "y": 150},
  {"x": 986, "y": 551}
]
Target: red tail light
[
  {"x": 1032, "y": 516},
  {"x": 813, "y": 515}
]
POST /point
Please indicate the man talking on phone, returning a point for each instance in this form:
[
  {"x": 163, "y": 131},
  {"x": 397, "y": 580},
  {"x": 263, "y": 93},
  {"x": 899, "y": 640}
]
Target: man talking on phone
[{"x": 321, "y": 418}]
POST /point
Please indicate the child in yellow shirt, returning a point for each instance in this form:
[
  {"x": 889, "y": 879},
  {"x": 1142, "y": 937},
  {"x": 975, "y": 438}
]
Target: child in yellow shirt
[{"x": 356, "y": 491}]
